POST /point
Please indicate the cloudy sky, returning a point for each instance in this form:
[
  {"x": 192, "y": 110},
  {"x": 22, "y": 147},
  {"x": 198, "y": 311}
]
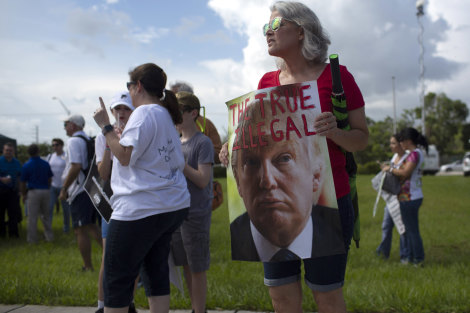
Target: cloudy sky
[{"x": 76, "y": 51}]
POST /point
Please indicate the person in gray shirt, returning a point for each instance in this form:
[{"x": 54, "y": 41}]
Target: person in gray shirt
[{"x": 190, "y": 245}]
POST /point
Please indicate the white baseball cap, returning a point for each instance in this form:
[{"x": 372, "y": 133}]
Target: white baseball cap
[
  {"x": 77, "y": 120},
  {"x": 122, "y": 98}
]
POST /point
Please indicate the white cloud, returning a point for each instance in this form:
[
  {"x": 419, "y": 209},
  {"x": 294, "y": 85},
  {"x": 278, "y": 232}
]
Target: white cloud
[
  {"x": 188, "y": 25},
  {"x": 217, "y": 81},
  {"x": 219, "y": 37},
  {"x": 375, "y": 39},
  {"x": 243, "y": 16},
  {"x": 85, "y": 53},
  {"x": 455, "y": 46},
  {"x": 91, "y": 22},
  {"x": 150, "y": 34},
  {"x": 109, "y": 26}
]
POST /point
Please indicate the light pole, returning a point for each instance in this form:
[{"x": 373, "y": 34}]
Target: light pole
[
  {"x": 394, "y": 107},
  {"x": 419, "y": 15},
  {"x": 62, "y": 104}
]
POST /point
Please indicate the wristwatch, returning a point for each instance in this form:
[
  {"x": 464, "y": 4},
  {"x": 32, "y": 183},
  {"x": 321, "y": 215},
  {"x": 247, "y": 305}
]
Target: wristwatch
[{"x": 107, "y": 129}]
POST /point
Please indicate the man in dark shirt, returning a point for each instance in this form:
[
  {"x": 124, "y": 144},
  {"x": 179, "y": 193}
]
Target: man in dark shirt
[
  {"x": 10, "y": 169},
  {"x": 36, "y": 177}
]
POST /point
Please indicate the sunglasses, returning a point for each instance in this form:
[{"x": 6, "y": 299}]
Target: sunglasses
[
  {"x": 129, "y": 84},
  {"x": 187, "y": 108},
  {"x": 55, "y": 145},
  {"x": 65, "y": 124},
  {"x": 275, "y": 24}
]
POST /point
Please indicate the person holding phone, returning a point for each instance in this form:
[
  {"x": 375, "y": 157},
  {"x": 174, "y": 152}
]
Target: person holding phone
[{"x": 150, "y": 196}]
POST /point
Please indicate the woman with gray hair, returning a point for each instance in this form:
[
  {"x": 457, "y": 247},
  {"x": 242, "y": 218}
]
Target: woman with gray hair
[{"x": 295, "y": 36}]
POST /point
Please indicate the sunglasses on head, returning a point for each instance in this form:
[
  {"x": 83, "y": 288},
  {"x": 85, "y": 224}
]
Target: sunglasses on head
[
  {"x": 275, "y": 24},
  {"x": 129, "y": 84}
]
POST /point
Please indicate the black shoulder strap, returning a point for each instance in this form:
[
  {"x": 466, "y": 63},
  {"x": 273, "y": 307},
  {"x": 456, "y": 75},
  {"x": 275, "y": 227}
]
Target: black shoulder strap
[
  {"x": 81, "y": 136},
  {"x": 87, "y": 141}
]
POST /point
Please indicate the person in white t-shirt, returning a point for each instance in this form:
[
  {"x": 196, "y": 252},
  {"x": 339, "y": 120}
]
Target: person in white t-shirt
[
  {"x": 150, "y": 196},
  {"x": 57, "y": 161},
  {"x": 121, "y": 107},
  {"x": 397, "y": 161},
  {"x": 81, "y": 208}
]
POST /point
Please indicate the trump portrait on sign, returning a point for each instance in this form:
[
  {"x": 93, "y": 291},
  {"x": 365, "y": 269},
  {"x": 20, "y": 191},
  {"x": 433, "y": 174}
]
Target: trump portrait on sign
[{"x": 283, "y": 178}]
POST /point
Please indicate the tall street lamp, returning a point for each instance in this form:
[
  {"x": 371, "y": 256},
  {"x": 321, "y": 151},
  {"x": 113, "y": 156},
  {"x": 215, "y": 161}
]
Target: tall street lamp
[
  {"x": 419, "y": 15},
  {"x": 62, "y": 104},
  {"x": 394, "y": 107}
]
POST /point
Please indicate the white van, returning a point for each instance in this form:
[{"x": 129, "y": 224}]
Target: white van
[
  {"x": 466, "y": 164},
  {"x": 431, "y": 160}
]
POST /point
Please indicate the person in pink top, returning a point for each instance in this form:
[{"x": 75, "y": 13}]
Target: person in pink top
[{"x": 411, "y": 195}]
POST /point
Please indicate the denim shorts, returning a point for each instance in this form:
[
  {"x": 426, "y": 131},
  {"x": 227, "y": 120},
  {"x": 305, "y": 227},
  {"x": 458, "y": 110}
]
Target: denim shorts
[
  {"x": 190, "y": 243},
  {"x": 131, "y": 245},
  {"x": 104, "y": 228},
  {"x": 323, "y": 273},
  {"x": 82, "y": 210}
]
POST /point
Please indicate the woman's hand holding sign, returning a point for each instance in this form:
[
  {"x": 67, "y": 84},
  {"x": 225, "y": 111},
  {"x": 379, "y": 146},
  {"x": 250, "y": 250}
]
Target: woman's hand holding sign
[
  {"x": 223, "y": 154},
  {"x": 325, "y": 124}
]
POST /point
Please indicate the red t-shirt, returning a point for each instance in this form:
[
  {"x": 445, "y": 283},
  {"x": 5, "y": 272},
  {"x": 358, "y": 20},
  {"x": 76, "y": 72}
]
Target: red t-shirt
[{"x": 354, "y": 100}]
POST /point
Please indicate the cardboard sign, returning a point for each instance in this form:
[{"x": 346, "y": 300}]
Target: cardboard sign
[
  {"x": 281, "y": 194},
  {"x": 99, "y": 192}
]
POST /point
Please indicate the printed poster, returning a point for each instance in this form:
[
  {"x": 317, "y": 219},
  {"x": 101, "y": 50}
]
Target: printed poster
[
  {"x": 99, "y": 192},
  {"x": 281, "y": 195},
  {"x": 393, "y": 205}
]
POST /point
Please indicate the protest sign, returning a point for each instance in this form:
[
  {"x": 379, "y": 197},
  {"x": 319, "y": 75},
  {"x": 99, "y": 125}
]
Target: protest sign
[
  {"x": 393, "y": 205},
  {"x": 99, "y": 192},
  {"x": 281, "y": 195}
]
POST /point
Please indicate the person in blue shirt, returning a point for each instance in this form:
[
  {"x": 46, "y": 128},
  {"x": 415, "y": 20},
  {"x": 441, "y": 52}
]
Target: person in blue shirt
[
  {"x": 36, "y": 176},
  {"x": 10, "y": 169}
]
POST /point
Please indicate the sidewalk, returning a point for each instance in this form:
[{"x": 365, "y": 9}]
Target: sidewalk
[{"x": 19, "y": 308}]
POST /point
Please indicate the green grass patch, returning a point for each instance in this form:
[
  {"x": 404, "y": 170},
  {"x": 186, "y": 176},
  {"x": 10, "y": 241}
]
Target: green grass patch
[{"x": 49, "y": 273}]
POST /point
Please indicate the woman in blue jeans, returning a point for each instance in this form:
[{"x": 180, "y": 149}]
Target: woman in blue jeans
[
  {"x": 397, "y": 161},
  {"x": 412, "y": 197}
]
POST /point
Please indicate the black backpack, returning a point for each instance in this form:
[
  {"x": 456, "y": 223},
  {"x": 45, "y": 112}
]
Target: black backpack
[{"x": 90, "y": 147}]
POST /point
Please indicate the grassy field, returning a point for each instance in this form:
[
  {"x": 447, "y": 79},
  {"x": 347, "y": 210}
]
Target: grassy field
[{"x": 49, "y": 273}]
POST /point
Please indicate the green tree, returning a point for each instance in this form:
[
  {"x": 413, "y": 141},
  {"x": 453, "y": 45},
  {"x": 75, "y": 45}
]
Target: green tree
[
  {"x": 444, "y": 122},
  {"x": 466, "y": 136},
  {"x": 408, "y": 118},
  {"x": 379, "y": 139},
  {"x": 444, "y": 127},
  {"x": 22, "y": 153}
]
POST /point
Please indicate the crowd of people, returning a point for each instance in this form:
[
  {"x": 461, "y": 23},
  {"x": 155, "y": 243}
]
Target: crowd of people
[
  {"x": 162, "y": 193},
  {"x": 159, "y": 162}
]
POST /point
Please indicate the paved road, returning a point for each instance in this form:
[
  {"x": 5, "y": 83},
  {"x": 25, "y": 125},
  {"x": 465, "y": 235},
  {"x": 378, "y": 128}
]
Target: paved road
[{"x": 19, "y": 308}]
